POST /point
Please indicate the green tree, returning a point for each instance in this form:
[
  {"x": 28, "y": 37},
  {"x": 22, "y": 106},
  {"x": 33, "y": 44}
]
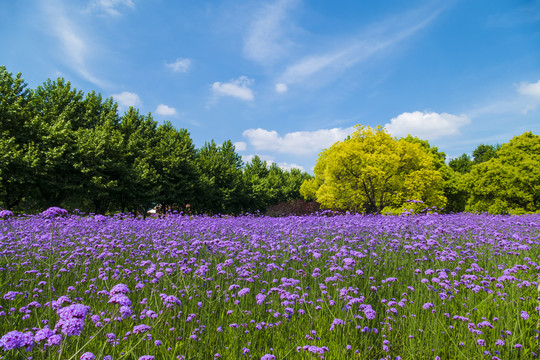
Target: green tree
[
  {"x": 100, "y": 162},
  {"x": 176, "y": 167},
  {"x": 18, "y": 159},
  {"x": 58, "y": 112},
  {"x": 509, "y": 182},
  {"x": 373, "y": 172},
  {"x": 140, "y": 138},
  {"x": 254, "y": 177},
  {"x": 462, "y": 164},
  {"x": 221, "y": 186},
  {"x": 483, "y": 153}
]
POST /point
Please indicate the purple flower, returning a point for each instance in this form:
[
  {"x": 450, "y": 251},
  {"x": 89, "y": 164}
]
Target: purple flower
[
  {"x": 54, "y": 211},
  {"x": 260, "y": 299},
  {"x": 141, "y": 328},
  {"x": 70, "y": 327},
  {"x": 524, "y": 315},
  {"x": 119, "y": 289},
  {"x": 427, "y": 305},
  {"x": 243, "y": 292},
  {"x": 120, "y": 299},
  {"x": 16, "y": 340},
  {"x": 88, "y": 356},
  {"x": 170, "y": 300},
  {"x": 78, "y": 311},
  {"x": 268, "y": 357},
  {"x": 370, "y": 313},
  {"x": 5, "y": 214},
  {"x": 481, "y": 342},
  {"x": 54, "y": 340},
  {"x": 146, "y": 357},
  {"x": 43, "y": 334}
]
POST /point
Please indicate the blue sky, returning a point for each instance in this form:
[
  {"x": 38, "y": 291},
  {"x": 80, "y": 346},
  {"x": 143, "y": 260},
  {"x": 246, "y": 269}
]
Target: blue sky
[{"x": 284, "y": 79}]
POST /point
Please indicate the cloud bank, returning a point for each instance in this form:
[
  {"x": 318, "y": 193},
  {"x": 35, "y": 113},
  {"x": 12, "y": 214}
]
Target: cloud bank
[
  {"x": 426, "y": 125},
  {"x": 298, "y": 143}
]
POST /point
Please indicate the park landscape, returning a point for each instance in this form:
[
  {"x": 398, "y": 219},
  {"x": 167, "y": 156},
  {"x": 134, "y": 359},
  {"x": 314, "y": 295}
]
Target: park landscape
[{"x": 269, "y": 180}]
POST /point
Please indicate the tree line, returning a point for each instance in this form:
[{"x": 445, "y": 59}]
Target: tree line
[
  {"x": 373, "y": 172},
  {"x": 61, "y": 147}
]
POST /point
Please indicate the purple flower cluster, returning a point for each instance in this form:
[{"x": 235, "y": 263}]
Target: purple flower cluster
[{"x": 72, "y": 318}]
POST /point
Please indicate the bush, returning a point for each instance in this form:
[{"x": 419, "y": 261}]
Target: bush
[{"x": 293, "y": 207}]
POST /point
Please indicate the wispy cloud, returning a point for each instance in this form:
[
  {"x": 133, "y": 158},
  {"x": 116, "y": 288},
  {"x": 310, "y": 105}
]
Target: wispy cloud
[
  {"x": 281, "y": 88},
  {"x": 298, "y": 143},
  {"x": 426, "y": 125},
  {"x": 527, "y": 99},
  {"x": 266, "y": 41},
  {"x": 165, "y": 110},
  {"x": 111, "y": 7},
  {"x": 371, "y": 41},
  {"x": 179, "y": 65},
  {"x": 238, "y": 88},
  {"x": 73, "y": 43},
  {"x": 530, "y": 89}
]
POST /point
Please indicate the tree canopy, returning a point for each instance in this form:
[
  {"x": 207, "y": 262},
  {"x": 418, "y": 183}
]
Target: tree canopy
[{"x": 508, "y": 182}]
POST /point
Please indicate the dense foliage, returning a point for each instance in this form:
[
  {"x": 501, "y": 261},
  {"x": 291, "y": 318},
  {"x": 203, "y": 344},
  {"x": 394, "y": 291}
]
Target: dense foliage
[
  {"x": 343, "y": 287},
  {"x": 60, "y": 147}
]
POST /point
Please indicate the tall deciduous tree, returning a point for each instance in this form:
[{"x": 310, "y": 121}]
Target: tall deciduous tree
[
  {"x": 18, "y": 154},
  {"x": 373, "y": 172},
  {"x": 222, "y": 188},
  {"x": 176, "y": 167},
  {"x": 58, "y": 112}
]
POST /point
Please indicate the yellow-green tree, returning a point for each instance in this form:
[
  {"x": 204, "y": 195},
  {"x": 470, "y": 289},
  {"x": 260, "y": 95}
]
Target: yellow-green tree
[{"x": 373, "y": 172}]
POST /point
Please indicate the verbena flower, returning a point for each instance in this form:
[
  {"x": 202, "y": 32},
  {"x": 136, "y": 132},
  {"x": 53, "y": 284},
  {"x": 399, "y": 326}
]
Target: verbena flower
[
  {"x": 119, "y": 289},
  {"x": 4, "y": 214},
  {"x": 88, "y": 356},
  {"x": 16, "y": 340},
  {"x": 54, "y": 212}
]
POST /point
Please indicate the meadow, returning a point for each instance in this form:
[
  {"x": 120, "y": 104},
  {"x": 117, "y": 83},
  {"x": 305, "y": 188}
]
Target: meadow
[{"x": 458, "y": 286}]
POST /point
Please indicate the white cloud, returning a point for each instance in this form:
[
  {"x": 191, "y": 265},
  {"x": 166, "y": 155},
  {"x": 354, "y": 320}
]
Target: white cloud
[
  {"x": 165, "y": 110},
  {"x": 530, "y": 89},
  {"x": 373, "y": 40},
  {"x": 238, "y": 88},
  {"x": 74, "y": 45},
  {"x": 298, "y": 143},
  {"x": 288, "y": 167},
  {"x": 111, "y": 7},
  {"x": 180, "y": 65},
  {"x": 266, "y": 40},
  {"x": 126, "y": 99},
  {"x": 240, "y": 146},
  {"x": 426, "y": 125},
  {"x": 281, "y": 88}
]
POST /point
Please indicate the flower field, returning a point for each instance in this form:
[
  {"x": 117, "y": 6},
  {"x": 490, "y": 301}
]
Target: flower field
[{"x": 335, "y": 287}]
